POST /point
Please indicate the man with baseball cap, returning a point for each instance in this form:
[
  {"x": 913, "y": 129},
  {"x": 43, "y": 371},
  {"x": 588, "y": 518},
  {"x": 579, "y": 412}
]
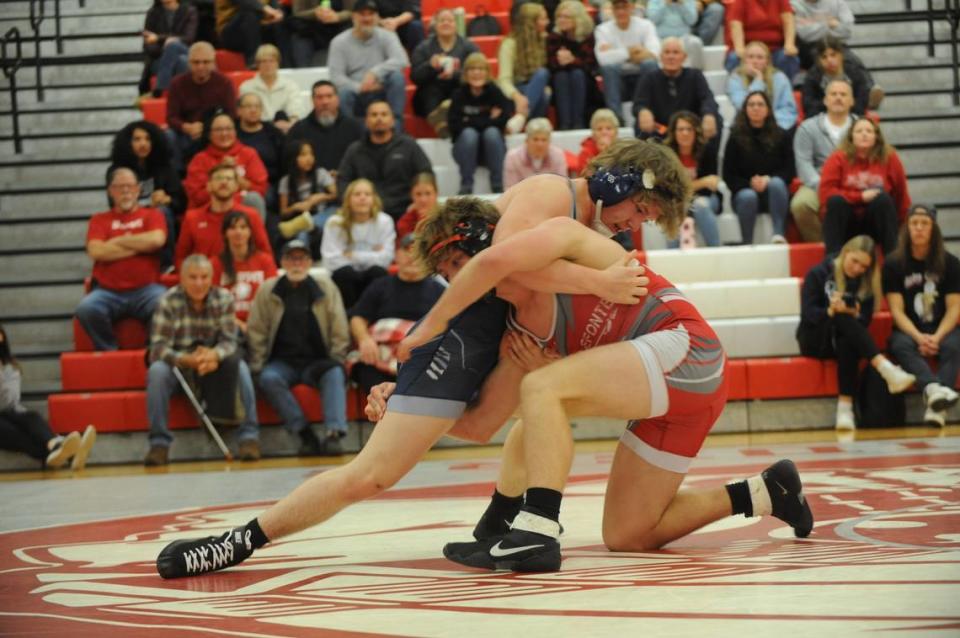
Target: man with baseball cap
[
  {"x": 367, "y": 63},
  {"x": 921, "y": 282},
  {"x": 298, "y": 334}
]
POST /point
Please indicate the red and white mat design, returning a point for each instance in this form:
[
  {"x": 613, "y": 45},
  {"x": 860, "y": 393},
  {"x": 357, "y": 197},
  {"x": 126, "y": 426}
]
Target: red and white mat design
[{"x": 884, "y": 557}]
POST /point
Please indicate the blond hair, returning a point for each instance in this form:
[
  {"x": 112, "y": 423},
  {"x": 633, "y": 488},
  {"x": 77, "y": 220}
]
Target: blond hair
[
  {"x": 476, "y": 60},
  {"x": 870, "y": 280},
  {"x": 344, "y": 217},
  {"x": 583, "y": 22},
  {"x": 747, "y": 76},
  {"x": 531, "y": 45}
]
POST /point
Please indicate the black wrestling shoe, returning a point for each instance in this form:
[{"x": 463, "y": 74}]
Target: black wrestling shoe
[
  {"x": 518, "y": 551},
  {"x": 786, "y": 497},
  {"x": 197, "y": 556}
]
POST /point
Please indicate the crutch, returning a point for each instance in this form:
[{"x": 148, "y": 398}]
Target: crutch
[{"x": 200, "y": 412}]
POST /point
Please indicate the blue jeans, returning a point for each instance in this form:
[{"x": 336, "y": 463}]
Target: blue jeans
[
  {"x": 276, "y": 379},
  {"x": 905, "y": 351},
  {"x": 161, "y": 384},
  {"x": 617, "y": 81},
  {"x": 173, "y": 61},
  {"x": 166, "y": 253},
  {"x": 535, "y": 90},
  {"x": 101, "y": 307},
  {"x": 789, "y": 64},
  {"x": 710, "y": 22},
  {"x": 746, "y": 204},
  {"x": 704, "y": 210},
  {"x": 394, "y": 91},
  {"x": 570, "y": 96},
  {"x": 472, "y": 145}
]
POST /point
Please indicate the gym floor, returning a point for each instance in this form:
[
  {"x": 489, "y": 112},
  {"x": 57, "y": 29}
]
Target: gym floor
[{"x": 77, "y": 552}]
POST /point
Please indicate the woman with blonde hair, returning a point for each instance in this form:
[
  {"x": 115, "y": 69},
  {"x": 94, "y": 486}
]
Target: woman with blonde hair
[
  {"x": 572, "y": 63},
  {"x": 522, "y": 60},
  {"x": 836, "y": 305},
  {"x": 863, "y": 188},
  {"x": 358, "y": 242},
  {"x": 479, "y": 111},
  {"x": 757, "y": 73}
]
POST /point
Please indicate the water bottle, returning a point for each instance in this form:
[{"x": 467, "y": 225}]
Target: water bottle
[
  {"x": 325, "y": 4},
  {"x": 461, "y": 18}
]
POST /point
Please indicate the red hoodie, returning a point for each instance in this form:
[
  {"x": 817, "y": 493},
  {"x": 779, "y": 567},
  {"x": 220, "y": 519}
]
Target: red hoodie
[
  {"x": 246, "y": 159},
  {"x": 840, "y": 176},
  {"x": 588, "y": 150},
  {"x": 200, "y": 233}
]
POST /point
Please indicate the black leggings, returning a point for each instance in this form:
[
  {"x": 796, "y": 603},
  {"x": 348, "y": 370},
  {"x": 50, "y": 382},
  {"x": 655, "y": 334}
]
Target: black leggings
[
  {"x": 879, "y": 221},
  {"x": 353, "y": 282},
  {"x": 26, "y": 432},
  {"x": 842, "y": 337}
]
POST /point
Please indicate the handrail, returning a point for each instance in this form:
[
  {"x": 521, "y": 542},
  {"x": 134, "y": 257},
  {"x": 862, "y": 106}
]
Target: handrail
[
  {"x": 36, "y": 19},
  {"x": 10, "y": 68},
  {"x": 953, "y": 17}
]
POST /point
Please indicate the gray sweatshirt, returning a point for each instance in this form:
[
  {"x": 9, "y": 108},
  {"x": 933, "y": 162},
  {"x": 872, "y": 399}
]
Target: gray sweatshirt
[
  {"x": 811, "y": 148},
  {"x": 350, "y": 59},
  {"x": 10, "y": 388},
  {"x": 811, "y": 19}
]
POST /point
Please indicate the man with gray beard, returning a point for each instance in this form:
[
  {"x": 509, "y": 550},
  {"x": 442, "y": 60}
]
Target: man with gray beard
[{"x": 328, "y": 129}]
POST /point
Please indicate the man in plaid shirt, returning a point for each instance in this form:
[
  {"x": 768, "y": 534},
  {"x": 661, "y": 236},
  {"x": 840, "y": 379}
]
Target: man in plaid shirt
[{"x": 195, "y": 329}]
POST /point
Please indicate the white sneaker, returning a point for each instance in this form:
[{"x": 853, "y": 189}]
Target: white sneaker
[
  {"x": 83, "y": 451},
  {"x": 896, "y": 377},
  {"x": 845, "y": 419},
  {"x": 940, "y": 397},
  {"x": 688, "y": 234},
  {"x": 63, "y": 451},
  {"x": 934, "y": 418},
  {"x": 778, "y": 239},
  {"x": 515, "y": 124}
]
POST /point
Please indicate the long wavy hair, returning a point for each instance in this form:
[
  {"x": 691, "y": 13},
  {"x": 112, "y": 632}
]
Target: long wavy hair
[
  {"x": 699, "y": 143},
  {"x": 769, "y": 134},
  {"x": 584, "y": 24},
  {"x": 344, "y": 216},
  {"x": 744, "y": 72},
  {"x": 870, "y": 279},
  {"x": 531, "y": 52},
  {"x": 936, "y": 260},
  {"x": 880, "y": 151},
  {"x": 293, "y": 171},
  {"x": 6, "y": 356},
  {"x": 226, "y": 256},
  {"x": 121, "y": 151}
]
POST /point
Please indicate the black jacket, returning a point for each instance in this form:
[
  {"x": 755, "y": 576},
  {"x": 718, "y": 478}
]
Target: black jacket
[
  {"x": 391, "y": 167},
  {"x": 743, "y": 161},
  {"x": 815, "y": 295},
  {"x": 184, "y": 27},
  {"x": 814, "y": 89},
  {"x": 473, "y": 111},
  {"x": 330, "y": 143},
  {"x": 691, "y": 93}
]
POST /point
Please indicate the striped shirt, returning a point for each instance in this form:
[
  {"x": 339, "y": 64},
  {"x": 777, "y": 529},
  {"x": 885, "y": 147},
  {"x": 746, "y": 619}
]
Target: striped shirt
[{"x": 177, "y": 329}]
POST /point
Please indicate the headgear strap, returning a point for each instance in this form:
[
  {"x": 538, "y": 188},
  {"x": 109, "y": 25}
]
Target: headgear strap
[
  {"x": 472, "y": 236},
  {"x": 613, "y": 186}
]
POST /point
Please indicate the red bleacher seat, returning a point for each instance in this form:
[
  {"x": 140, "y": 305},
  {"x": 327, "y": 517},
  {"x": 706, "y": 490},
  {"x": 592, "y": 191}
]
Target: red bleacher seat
[
  {"x": 790, "y": 378},
  {"x": 803, "y": 257},
  {"x": 117, "y": 370},
  {"x": 154, "y": 110},
  {"x": 417, "y": 126},
  {"x": 430, "y": 7},
  {"x": 488, "y": 44},
  {"x": 737, "y": 380},
  {"x": 502, "y": 18},
  {"x": 239, "y": 77},
  {"x": 229, "y": 61},
  {"x": 130, "y": 335}
]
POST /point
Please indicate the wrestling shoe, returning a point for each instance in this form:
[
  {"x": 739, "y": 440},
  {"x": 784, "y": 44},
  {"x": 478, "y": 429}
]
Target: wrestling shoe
[
  {"x": 786, "y": 497},
  {"x": 518, "y": 551},
  {"x": 493, "y": 524},
  {"x": 192, "y": 557}
]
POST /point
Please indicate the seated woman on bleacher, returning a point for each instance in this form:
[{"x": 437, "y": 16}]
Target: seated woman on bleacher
[
  {"x": 832, "y": 64},
  {"x": 279, "y": 96},
  {"x": 241, "y": 267},
  {"x": 758, "y": 166},
  {"x": 23, "y": 430},
  {"x": 572, "y": 64},
  {"x": 522, "y": 59},
  {"x": 536, "y": 156},
  {"x": 756, "y": 73},
  {"x": 435, "y": 67},
  {"x": 479, "y": 111},
  {"x": 359, "y": 241},
  {"x": 699, "y": 157},
  {"x": 604, "y": 127},
  {"x": 142, "y": 147},
  {"x": 863, "y": 189},
  {"x": 836, "y": 305},
  {"x": 423, "y": 195},
  {"x": 221, "y": 146},
  {"x": 169, "y": 30}
]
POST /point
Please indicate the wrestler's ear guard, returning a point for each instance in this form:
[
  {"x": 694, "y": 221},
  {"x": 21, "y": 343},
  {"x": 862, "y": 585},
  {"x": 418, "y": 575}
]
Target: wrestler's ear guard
[{"x": 613, "y": 185}]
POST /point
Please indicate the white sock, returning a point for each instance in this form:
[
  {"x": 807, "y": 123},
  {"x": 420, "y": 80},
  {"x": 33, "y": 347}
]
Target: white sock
[
  {"x": 759, "y": 496},
  {"x": 885, "y": 366}
]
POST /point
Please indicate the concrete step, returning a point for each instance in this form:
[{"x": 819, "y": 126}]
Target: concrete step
[
  {"x": 45, "y": 266},
  {"x": 86, "y": 173},
  {"x": 902, "y": 31},
  {"x": 90, "y": 145},
  {"x": 16, "y": 8},
  {"x": 915, "y": 79},
  {"x": 930, "y": 160},
  {"x": 86, "y": 95},
  {"x": 38, "y": 205},
  {"x": 860, "y": 7},
  {"x": 130, "y": 42},
  {"x": 55, "y": 73},
  {"x": 72, "y": 122},
  {"x": 45, "y": 300},
  {"x": 913, "y": 52},
  {"x": 949, "y": 219},
  {"x": 61, "y": 234},
  {"x": 76, "y": 21},
  {"x": 50, "y": 334},
  {"x": 914, "y": 131},
  {"x": 934, "y": 190},
  {"x": 930, "y": 104},
  {"x": 38, "y": 372}
]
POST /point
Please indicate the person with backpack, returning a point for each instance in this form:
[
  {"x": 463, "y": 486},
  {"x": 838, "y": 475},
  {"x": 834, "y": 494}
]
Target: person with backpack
[{"x": 836, "y": 307}]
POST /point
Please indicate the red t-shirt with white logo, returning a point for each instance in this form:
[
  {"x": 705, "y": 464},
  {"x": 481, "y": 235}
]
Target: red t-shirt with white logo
[
  {"x": 250, "y": 273},
  {"x": 133, "y": 272}
]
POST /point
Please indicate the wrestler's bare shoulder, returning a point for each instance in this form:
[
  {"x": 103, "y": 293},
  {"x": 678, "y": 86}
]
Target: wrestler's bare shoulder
[{"x": 532, "y": 201}]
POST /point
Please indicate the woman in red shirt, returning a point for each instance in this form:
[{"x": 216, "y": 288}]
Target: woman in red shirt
[
  {"x": 863, "y": 188},
  {"x": 241, "y": 268}
]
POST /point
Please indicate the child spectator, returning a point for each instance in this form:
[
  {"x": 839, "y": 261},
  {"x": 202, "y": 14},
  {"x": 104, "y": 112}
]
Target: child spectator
[
  {"x": 307, "y": 192},
  {"x": 423, "y": 192},
  {"x": 604, "y": 127}
]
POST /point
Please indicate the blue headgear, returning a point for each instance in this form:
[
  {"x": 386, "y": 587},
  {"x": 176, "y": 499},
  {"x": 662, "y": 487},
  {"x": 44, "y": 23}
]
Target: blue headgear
[{"x": 613, "y": 185}]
